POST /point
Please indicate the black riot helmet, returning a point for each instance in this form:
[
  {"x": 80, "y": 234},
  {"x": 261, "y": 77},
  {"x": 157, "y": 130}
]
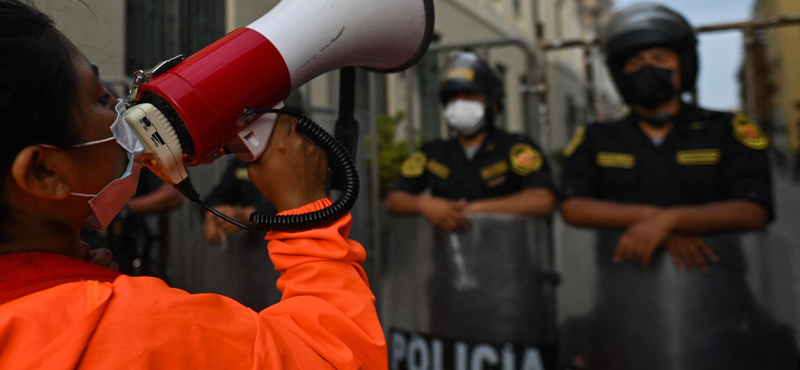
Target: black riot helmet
[
  {"x": 468, "y": 73},
  {"x": 647, "y": 25}
]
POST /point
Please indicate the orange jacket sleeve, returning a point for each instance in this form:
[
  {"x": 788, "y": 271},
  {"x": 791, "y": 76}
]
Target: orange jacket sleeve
[{"x": 326, "y": 300}]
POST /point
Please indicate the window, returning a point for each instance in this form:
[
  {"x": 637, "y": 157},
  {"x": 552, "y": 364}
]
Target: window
[{"x": 157, "y": 30}]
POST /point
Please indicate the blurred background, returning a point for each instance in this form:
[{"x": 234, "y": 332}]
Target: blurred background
[{"x": 555, "y": 81}]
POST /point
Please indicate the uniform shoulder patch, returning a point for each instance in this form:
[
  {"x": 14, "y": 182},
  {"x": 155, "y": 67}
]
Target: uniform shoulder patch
[
  {"x": 241, "y": 174},
  {"x": 414, "y": 165},
  {"x": 577, "y": 139},
  {"x": 748, "y": 132},
  {"x": 525, "y": 159}
]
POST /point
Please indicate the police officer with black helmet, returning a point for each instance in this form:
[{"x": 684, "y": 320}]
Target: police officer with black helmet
[
  {"x": 669, "y": 170},
  {"x": 666, "y": 175},
  {"x": 482, "y": 169}
]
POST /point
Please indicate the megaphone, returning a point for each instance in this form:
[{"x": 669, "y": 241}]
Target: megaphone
[{"x": 191, "y": 111}]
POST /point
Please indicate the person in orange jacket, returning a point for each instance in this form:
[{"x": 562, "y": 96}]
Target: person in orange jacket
[{"x": 58, "y": 310}]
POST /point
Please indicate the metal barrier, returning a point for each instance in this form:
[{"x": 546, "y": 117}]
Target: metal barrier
[
  {"x": 482, "y": 297},
  {"x": 737, "y": 316}
]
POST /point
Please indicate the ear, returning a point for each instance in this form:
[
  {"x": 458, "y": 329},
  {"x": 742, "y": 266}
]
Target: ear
[{"x": 34, "y": 171}]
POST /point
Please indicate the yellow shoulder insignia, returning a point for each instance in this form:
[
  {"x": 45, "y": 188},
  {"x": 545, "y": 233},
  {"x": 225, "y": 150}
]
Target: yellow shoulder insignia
[
  {"x": 524, "y": 159},
  {"x": 748, "y": 132},
  {"x": 241, "y": 174},
  {"x": 575, "y": 143},
  {"x": 438, "y": 169},
  {"x": 414, "y": 165}
]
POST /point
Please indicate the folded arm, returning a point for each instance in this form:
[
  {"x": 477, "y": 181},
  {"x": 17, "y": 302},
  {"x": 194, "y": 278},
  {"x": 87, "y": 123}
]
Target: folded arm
[
  {"x": 729, "y": 215},
  {"x": 587, "y": 212},
  {"x": 534, "y": 202}
]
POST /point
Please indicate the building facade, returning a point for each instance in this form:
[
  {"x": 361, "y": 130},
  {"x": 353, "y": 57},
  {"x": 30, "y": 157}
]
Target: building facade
[{"x": 776, "y": 58}]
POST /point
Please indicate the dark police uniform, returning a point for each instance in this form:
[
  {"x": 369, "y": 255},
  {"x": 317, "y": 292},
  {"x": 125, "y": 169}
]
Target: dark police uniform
[
  {"x": 708, "y": 157},
  {"x": 505, "y": 164}
]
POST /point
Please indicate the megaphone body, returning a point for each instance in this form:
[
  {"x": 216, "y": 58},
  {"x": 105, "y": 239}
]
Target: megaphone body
[{"x": 187, "y": 111}]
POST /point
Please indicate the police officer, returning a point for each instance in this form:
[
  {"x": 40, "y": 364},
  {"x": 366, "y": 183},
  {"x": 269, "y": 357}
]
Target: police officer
[
  {"x": 482, "y": 169},
  {"x": 665, "y": 175},
  {"x": 669, "y": 170}
]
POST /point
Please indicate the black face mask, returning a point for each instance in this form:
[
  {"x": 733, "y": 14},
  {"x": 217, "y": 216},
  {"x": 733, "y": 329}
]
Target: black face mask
[{"x": 649, "y": 87}]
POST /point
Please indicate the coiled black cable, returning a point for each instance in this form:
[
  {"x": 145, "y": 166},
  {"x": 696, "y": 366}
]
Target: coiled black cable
[{"x": 338, "y": 158}]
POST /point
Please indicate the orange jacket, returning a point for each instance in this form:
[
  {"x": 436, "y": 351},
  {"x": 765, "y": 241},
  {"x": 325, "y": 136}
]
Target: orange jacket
[{"x": 326, "y": 319}]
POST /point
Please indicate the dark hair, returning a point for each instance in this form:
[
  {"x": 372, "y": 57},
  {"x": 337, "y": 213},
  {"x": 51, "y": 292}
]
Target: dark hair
[{"x": 38, "y": 85}]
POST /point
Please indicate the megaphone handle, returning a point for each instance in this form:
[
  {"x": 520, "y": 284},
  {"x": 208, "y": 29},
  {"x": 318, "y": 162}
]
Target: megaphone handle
[{"x": 251, "y": 142}]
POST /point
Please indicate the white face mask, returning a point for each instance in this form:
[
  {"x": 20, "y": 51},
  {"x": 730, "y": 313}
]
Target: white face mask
[
  {"x": 466, "y": 117},
  {"x": 107, "y": 203}
]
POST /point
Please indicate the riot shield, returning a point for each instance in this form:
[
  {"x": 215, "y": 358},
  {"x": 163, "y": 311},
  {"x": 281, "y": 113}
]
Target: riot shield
[
  {"x": 487, "y": 292},
  {"x": 739, "y": 315}
]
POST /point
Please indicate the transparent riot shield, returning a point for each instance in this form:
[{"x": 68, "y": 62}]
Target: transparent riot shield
[
  {"x": 484, "y": 296},
  {"x": 739, "y": 315}
]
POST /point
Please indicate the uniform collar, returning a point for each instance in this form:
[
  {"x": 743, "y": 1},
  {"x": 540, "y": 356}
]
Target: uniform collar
[
  {"x": 489, "y": 144},
  {"x": 686, "y": 121}
]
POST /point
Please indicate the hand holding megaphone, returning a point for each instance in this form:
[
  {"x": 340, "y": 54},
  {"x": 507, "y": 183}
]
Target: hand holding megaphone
[
  {"x": 189, "y": 112},
  {"x": 301, "y": 166}
]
